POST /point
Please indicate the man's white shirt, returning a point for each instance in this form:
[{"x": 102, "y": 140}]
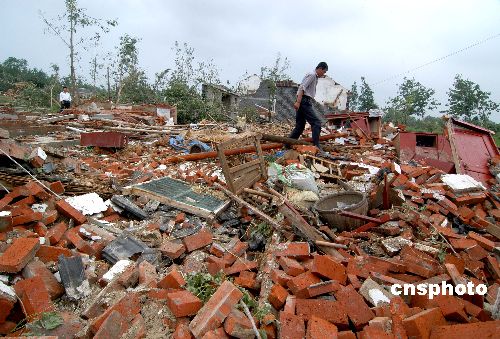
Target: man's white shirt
[{"x": 64, "y": 96}]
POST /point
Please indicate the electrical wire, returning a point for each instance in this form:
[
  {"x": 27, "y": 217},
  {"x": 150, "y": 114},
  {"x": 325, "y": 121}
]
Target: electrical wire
[{"x": 477, "y": 43}]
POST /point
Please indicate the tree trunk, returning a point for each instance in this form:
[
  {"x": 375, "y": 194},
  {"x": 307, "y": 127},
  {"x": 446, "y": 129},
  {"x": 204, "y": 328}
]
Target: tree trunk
[{"x": 109, "y": 87}]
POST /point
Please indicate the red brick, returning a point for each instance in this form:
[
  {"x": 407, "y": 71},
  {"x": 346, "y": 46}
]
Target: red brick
[
  {"x": 172, "y": 249},
  {"x": 128, "y": 306},
  {"x": 147, "y": 274},
  {"x": 28, "y": 201},
  {"x": 292, "y": 326},
  {"x": 488, "y": 329},
  {"x": 318, "y": 328},
  {"x": 354, "y": 304},
  {"x": 34, "y": 296},
  {"x": 332, "y": 311},
  {"x": 180, "y": 218},
  {"x": 37, "y": 268},
  {"x": 56, "y": 232},
  {"x": 247, "y": 279},
  {"x": 323, "y": 287},
  {"x": 6, "y": 221},
  {"x": 198, "y": 240},
  {"x": 482, "y": 241},
  {"x": 173, "y": 279},
  {"x": 400, "y": 180},
  {"x": 52, "y": 253},
  {"x": 238, "y": 325},
  {"x": 73, "y": 236},
  {"x": 297, "y": 250},
  {"x": 182, "y": 331},
  {"x": 218, "y": 333},
  {"x": 215, "y": 311},
  {"x": 8, "y": 327},
  {"x": 346, "y": 335},
  {"x": 299, "y": 284},
  {"x": 37, "y": 190},
  {"x": 69, "y": 211},
  {"x": 183, "y": 303},
  {"x": 470, "y": 199},
  {"x": 421, "y": 324},
  {"x": 215, "y": 265},
  {"x": 493, "y": 266},
  {"x": 451, "y": 306},
  {"x": 57, "y": 187},
  {"x": 27, "y": 218},
  {"x": 237, "y": 251},
  {"x": 277, "y": 296},
  {"x": 280, "y": 277},
  {"x": 476, "y": 252},
  {"x": 448, "y": 205},
  {"x": 241, "y": 265},
  {"x": 137, "y": 328},
  {"x": 114, "y": 326},
  {"x": 291, "y": 266},
  {"x": 217, "y": 250},
  {"x": 290, "y": 304},
  {"x": 327, "y": 267},
  {"x": 19, "y": 254},
  {"x": 7, "y": 303},
  {"x": 462, "y": 244}
]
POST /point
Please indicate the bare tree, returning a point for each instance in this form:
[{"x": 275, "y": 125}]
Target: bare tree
[{"x": 68, "y": 26}]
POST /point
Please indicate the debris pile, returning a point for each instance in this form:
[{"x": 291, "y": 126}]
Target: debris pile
[{"x": 126, "y": 236}]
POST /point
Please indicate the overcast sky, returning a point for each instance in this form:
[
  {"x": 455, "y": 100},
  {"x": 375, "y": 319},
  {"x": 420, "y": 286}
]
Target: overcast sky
[{"x": 375, "y": 39}]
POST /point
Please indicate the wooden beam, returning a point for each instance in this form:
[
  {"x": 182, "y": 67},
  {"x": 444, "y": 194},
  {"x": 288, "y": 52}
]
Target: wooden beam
[{"x": 360, "y": 217}]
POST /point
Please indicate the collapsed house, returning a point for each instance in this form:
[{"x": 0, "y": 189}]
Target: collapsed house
[{"x": 112, "y": 226}]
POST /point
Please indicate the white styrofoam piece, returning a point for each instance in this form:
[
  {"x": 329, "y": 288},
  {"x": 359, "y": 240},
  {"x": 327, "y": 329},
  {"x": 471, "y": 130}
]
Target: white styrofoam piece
[
  {"x": 88, "y": 204},
  {"x": 462, "y": 183}
]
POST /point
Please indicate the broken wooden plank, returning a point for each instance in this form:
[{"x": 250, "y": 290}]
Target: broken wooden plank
[{"x": 360, "y": 217}]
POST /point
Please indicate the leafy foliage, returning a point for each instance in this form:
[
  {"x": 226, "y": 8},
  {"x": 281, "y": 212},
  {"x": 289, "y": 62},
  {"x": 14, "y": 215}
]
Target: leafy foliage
[
  {"x": 413, "y": 99},
  {"x": 14, "y": 70},
  {"x": 354, "y": 98},
  {"x": 467, "y": 101},
  {"x": 365, "y": 100},
  {"x": 47, "y": 321},
  {"x": 203, "y": 285}
]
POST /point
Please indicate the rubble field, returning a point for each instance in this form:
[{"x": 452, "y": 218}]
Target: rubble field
[{"x": 114, "y": 224}]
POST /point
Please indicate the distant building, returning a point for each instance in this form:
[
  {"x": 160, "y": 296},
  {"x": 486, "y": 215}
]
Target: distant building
[{"x": 218, "y": 94}]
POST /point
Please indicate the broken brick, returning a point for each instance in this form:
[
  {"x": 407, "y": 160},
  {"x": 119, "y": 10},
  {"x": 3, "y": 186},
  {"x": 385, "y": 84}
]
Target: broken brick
[
  {"x": 421, "y": 324},
  {"x": 56, "y": 232},
  {"x": 238, "y": 325},
  {"x": 114, "y": 326},
  {"x": 183, "y": 303},
  {"x": 19, "y": 254},
  {"x": 198, "y": 240},
  {"x": 277, "y": 296},
  {"x": 37, "y": 268},
  {"x": 34, "y": 296},
  {"x": 173, "y": 279},
  {"x": 299, "y": 284},
  {"x": 292, "y": 326},
  {"x": 332, "y": 311},
  {"x": 172, "y": 249},
  {"x": 328, "y": 267},
  {"x": 318, "y": 328},
  {"x": 217, "y": 308},
  {"x": 291, "y": 266},
  {"x": 69, "y": 211}
]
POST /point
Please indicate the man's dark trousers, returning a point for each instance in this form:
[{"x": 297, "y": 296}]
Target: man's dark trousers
[
  {"x": 306, "y": 113},
  {"x": 65, "y": 104}
]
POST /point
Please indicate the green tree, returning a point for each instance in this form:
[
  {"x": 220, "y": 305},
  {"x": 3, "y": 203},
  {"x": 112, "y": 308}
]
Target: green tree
[
  {"x": 366, "y": 100},
  {"x": 413, "y": 99},
  {"x": 467, "y": 101},
  {"x": 353, "y": 97},
  {"x": 182, "y": 85},
  {"x": 127, "y": 64},
  {"x": 68, "y": 27},
  {"x": 14, "y": 70},
  {"x": 271, "y": 74}
]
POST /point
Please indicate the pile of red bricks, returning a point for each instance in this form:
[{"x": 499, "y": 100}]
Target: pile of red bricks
[{"x": 312, "y": 295}]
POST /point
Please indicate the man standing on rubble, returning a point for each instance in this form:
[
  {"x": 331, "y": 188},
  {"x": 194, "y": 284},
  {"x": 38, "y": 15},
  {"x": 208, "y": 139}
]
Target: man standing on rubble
[
  {"x": 303, "y": 105},
  {"x": 65, "y": 99}
]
